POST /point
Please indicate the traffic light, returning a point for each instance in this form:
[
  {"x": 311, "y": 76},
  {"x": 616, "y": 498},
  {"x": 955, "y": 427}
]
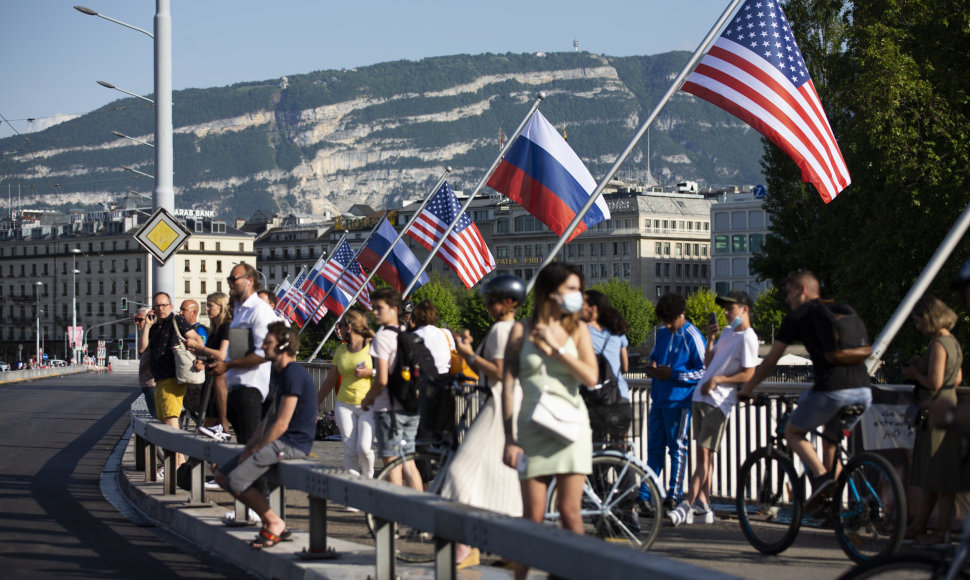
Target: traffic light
[
  {"x": 121, "y": 344},
  {"x": 124, "y": 304}
]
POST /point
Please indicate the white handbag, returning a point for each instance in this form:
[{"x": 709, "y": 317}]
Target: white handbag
[
  {"x": 185, "y": 372},
  {"x": 556, "y": 415}
]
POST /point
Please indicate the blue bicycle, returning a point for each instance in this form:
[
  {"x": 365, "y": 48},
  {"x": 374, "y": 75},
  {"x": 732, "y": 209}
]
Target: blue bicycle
[{"x": 867, "y": 508}]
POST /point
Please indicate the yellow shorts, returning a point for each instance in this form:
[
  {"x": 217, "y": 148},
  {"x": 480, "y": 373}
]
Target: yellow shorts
[{"x": 168, "y": 398}]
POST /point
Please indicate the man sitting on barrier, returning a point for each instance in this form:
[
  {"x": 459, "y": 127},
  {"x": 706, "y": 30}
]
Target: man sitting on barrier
[{"x": 289, "y": 437}]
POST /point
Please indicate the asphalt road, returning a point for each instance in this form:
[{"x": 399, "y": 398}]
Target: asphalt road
[{"x": 54, "y": 521}]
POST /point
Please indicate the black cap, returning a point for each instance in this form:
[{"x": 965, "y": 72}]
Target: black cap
[{"x": 734, "y": 297}]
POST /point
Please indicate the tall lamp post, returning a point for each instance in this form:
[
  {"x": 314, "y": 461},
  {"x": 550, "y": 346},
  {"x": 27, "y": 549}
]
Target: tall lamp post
[
  {"x": 37, "y": 286},
  {"x": 163, "y": 275},
  {"x": 74, "y": 273}
]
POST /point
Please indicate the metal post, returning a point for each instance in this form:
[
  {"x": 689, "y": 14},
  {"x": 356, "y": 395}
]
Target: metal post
[
  {"x": 74, "y": 253},
  {"x": 164, "y": 195},
  {"x": 444, "y": 560},
  {"x": 698, "y": 53},
  {"x": 384, "y": 546},
  {"x": 471, "y": 197}
]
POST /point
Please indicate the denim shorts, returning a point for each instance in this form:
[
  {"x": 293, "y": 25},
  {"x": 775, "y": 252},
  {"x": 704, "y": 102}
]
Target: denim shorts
[
  {"x": 242, "y": 476},
  {"x": 391, "y": 434},
  {"x": 816, "y": 408}
]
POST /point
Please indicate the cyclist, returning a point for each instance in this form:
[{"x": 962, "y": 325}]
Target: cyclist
[{"x": 836, "y": 386}]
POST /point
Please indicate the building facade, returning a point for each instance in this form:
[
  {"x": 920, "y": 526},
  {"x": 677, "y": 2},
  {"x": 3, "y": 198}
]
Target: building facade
[{"x": 740, "y": 224}]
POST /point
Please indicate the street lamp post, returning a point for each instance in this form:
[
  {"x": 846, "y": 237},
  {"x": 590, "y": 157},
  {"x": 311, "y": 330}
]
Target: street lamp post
[
  {"x": 37, "y": 286},
  {"x": 74, "y": 273}
]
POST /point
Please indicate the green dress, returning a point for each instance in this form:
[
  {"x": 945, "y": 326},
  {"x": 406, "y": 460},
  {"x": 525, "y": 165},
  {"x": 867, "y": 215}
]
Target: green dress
[
  {"x": 937, "y": 453},
  {"x": 547, "y": 454}
]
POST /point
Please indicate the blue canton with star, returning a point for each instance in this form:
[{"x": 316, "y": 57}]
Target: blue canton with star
[
  {"x": 344, "y": 255},
  {"x": 761, "y": 26},
  {"x": 444, "y": 206}
]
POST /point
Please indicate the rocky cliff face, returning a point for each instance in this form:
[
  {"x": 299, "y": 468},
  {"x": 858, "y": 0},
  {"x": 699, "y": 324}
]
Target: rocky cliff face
[{"x": 325, "y": 141}]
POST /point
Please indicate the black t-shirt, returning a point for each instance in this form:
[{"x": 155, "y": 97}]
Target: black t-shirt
[
  {"x": 810, "y": 325},
  {"x": 161, "y": 340},
  {"x": 294, "y": 380},
  {"x": 217, "y": 335}
]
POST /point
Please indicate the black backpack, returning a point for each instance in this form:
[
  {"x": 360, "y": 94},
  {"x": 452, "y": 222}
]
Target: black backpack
[
  {"x": 414, "y": 373},
  {"x": 607, "y": 388},
  {"x": 849, "y": 333}
]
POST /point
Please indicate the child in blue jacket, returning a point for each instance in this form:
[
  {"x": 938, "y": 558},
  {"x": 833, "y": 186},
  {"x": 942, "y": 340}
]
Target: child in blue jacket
[{"x": 676, "y": 364}]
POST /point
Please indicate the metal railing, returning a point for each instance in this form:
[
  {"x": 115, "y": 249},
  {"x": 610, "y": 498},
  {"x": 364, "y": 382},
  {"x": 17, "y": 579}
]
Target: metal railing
[{"x": 544, "y": 547}]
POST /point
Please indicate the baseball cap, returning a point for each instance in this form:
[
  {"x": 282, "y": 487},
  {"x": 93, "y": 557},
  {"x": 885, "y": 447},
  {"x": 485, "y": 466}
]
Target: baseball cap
[{"x": 734, "y": 297}]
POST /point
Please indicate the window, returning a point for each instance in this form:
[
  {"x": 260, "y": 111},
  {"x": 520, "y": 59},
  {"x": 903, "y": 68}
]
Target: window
[
  {"x": 89, "y": 287},
  {"x": 696, "y": 247},
  {"x": 100, "y": 287},
  {"x": 187, "y": 268},
  {"x": 219, "y": 244},
  {"x": 202, "y": 289},
  {"x": 678, "y": 250},
  {"x": 528, "y": 251},
  {"x": 739, "y": 267},
  {"x": 517, "y": 251},
  {"x": 739, "y": 220},
  {"x": 616, "y": 270},
  {"x": 626, "y": 248},
  {"x": 593, "y": 248},
  {"x": 755, "y": 242},
  {"x": 687, "y": 249},
  {"x": 188, "y": 286},
  {"x": 503, "y": 252},
  {"x": 202, "y": 266},
  {"x": 125, "y": 266},
  {"x": 603, "y": 271},
  {"x": 138, "y": 286},
  {"x": 218, "y": 266},
  {"x": 666, "y": 248},
  {"x": 680, "y": 270},
  {"x": 580, "y": 250},
  {"x": 722, "y": 267},
  {"x": 720, "y": 244},
  {"x": 697, "y": 268},
  {"x": 722, "y": 221},
  {"x": 241, "y": 247},
  {"x": 502, "y": 225},
  {"x": 616, "y": 248},
  {"x": 667, "y": 269},
  {"x": 570, "y": 251},
  {"x": 704, "y": 250},
  {"x": 218, "y": 285},
  {"x": 739, "y": 243},
  {"x": 666, "y": 224},
  {"x": 722, "y": 288},
  {"x": 626, "y": 270},
  {"x": 201, "y": 246},
  {"x": 137, "y": 264},
  {"x": 658, "y": 267},
  {"x": 114, "y": 286}
]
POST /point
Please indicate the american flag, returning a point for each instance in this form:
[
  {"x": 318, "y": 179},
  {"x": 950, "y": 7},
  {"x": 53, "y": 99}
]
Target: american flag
[
  {"x": 353, "y": 278},
  {"x": 464, "y": 250},
  {"x": 293, "y": 299},
  {"x": 313, "y": 296},
  {"x": 756, "y": 72}
]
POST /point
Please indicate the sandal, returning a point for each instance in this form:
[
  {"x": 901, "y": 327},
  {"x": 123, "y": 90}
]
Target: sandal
[{"x": 267, "y": 539}]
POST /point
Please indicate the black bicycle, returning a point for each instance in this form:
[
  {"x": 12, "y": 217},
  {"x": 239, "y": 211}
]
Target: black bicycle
[{"x": 867, "y": 508}]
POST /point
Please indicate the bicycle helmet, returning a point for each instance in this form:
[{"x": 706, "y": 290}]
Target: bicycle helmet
[
  {"x": 407, "y": 307},
  {"x": 504, "y": 286}
]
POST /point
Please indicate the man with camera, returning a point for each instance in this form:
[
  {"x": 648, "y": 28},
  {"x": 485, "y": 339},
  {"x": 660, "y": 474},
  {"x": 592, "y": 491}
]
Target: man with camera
[{"x": 158, "y": 337}]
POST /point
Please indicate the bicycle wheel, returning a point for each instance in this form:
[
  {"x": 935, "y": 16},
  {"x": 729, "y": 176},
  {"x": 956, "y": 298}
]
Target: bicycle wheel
[
  {"x": 769, "y": 500},
  {"x": 413, "y": 545},
  {"x": 871, "y": 508},
  {"x": 611, "y": 508},
  {"x": 902, "y": 568}
]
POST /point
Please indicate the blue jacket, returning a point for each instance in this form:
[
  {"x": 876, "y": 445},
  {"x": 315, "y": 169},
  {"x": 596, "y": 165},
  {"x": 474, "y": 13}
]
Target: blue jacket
[{"x": 683, "y": 352}]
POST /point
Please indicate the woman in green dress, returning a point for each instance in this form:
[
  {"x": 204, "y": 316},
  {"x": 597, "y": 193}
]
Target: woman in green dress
[
  {"x": 552, "y": 352},
  {"x": 937, "y": 467}
]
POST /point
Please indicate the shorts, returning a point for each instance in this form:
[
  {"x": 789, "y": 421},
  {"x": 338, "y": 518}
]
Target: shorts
[
  {"x": 392, "y": 428},
  {"x": 815, "y": 408},
  {"x": 242, "y": 476},
  {"x": 708, "y": 422},
  {"x": 168, "y": 398}
]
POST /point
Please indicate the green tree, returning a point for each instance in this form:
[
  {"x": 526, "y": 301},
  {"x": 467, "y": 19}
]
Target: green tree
[
  {"x": 442, "y": 294},
  {"x": 769, "y": 310},
  {"x": 475, "y": 317},
  {"x": 633, "y": 305},
  {"x": 700, "y": 305}
]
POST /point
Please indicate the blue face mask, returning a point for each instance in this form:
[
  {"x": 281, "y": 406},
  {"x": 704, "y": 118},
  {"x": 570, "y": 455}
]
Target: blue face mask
[
  {"x": 736, "y": 322},
  {"x": 571, "y": 302}
]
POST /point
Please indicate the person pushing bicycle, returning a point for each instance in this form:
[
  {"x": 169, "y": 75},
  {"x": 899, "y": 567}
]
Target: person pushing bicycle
[{"x": 837, "y": 384}]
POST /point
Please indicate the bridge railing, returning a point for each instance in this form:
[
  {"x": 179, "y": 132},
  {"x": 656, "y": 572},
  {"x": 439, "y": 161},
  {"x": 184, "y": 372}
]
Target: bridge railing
[{"x": 544, "y": 547}]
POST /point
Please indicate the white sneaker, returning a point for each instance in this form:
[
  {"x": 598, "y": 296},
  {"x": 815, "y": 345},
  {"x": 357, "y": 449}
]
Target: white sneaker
[
  {"x": 252, "y": 516},
  {"x": 215, "y": 432},
  {"x": 682, "y": 514},
  {"x": 702, "y": 514},
  {"x": 211, "y": 484}
]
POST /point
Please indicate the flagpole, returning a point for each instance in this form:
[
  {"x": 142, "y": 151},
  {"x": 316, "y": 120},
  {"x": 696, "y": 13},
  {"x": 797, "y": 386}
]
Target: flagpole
[
  {"x": 297, "y": 279},
  {"x": 919, "y": 288},
  {"x": 335, "y": 282},
  {"x": 701, "y": 49},
  {"x": 309, "y": 282},
  {"x": 471, "y": 197},
  {"x": 390, "y": 249}
]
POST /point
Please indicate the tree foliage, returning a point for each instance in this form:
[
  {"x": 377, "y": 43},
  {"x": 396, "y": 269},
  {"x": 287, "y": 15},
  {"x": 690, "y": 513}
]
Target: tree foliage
[
  {"x": 633, "y": 305},
  {"x": 699, "y": 305},
  {"x": 442, "y": 294},
  {"x": 892, "y": 76},
  {"x": 769, "y": 310}
]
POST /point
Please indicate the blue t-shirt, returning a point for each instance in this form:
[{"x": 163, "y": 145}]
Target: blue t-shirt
[
  {"x": 294, "y": 380},
  {"x": 613, "y": 344},
  {"x": 683, "y": 352}
]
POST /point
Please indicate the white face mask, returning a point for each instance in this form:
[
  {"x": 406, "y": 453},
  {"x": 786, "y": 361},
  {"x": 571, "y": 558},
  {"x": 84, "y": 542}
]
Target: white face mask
[
  {"x": 736, "y": 322},
  {"x": 571, "y": 302}
]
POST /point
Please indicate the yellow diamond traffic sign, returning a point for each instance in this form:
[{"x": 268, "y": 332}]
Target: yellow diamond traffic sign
[{"x": 162, "y": 235}]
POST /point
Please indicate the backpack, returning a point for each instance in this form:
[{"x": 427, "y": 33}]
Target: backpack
[
  {"x": 849, "y": 332},
  {"x": 414, "y": 373},
  {"x": 606, "y": 391}
]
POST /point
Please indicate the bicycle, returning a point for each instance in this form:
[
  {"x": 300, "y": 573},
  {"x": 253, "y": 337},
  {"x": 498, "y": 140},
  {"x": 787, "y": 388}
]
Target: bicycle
[
  {"x": 867, "y": 508},
  {"x": 431, "y": 458},
  {"x": 948, "y": 566},
  {"x": 611, "y": 506}
]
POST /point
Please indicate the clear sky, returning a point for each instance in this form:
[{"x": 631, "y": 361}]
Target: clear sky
[{"x": 52, "y": 54}]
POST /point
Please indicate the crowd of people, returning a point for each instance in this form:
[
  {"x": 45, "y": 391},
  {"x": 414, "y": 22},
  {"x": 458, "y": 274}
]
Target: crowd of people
[{"x": 546, "y": 365}]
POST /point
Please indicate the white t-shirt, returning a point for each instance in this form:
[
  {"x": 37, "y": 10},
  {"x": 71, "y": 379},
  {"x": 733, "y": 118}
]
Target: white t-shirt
[
  {"x": 734, "y": 352},
  {"x": 440, "y": 342},
  {"x": 384, "y": 347},
  {"x": 493, "y": 348}
]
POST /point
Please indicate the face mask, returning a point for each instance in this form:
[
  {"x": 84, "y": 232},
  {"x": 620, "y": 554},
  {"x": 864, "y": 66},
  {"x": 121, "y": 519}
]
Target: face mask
[
  {"x": 736, "y": 322},
  {"x": 571, "y": 302}
]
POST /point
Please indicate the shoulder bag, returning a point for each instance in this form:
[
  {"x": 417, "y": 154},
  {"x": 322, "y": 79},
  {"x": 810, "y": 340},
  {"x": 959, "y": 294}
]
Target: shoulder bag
[
  {"x": 185, "y": 372},
  {"x": 557, "y": 416}
]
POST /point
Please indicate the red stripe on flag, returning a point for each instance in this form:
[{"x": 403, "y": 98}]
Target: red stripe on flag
[{"x": 534, "y": 197}]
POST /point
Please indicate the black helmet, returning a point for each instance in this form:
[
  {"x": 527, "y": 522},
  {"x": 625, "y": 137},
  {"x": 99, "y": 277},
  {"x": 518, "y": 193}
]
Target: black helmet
[
  {"x": 505, "y": 286},
  {"x": 407, "y": 307},
  {"x": 963, "y": 277}
]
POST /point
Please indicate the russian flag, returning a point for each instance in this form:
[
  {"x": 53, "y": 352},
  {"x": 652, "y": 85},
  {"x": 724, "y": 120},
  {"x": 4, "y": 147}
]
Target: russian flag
[
  {"x": 544, "y": 175},
  {"x": 401, "y": 265}
]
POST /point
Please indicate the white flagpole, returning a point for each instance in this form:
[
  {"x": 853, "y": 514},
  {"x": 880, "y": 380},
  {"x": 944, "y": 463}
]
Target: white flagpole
[
  {"x": 919, "y": 287},
  {"x": 471, "y": 197},
  {"x": 701, "y": 49},
  {"x": 390, "y": 249}
]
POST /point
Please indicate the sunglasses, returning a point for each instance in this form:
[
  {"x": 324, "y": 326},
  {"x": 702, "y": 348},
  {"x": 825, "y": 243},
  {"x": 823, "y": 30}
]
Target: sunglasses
[{"x": 232, "y": 279}]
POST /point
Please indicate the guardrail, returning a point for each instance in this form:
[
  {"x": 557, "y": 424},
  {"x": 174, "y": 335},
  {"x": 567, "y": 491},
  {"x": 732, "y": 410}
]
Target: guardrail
[
  {"x": 544, "y": 547},
  {"x": 29, "y": 374}
]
